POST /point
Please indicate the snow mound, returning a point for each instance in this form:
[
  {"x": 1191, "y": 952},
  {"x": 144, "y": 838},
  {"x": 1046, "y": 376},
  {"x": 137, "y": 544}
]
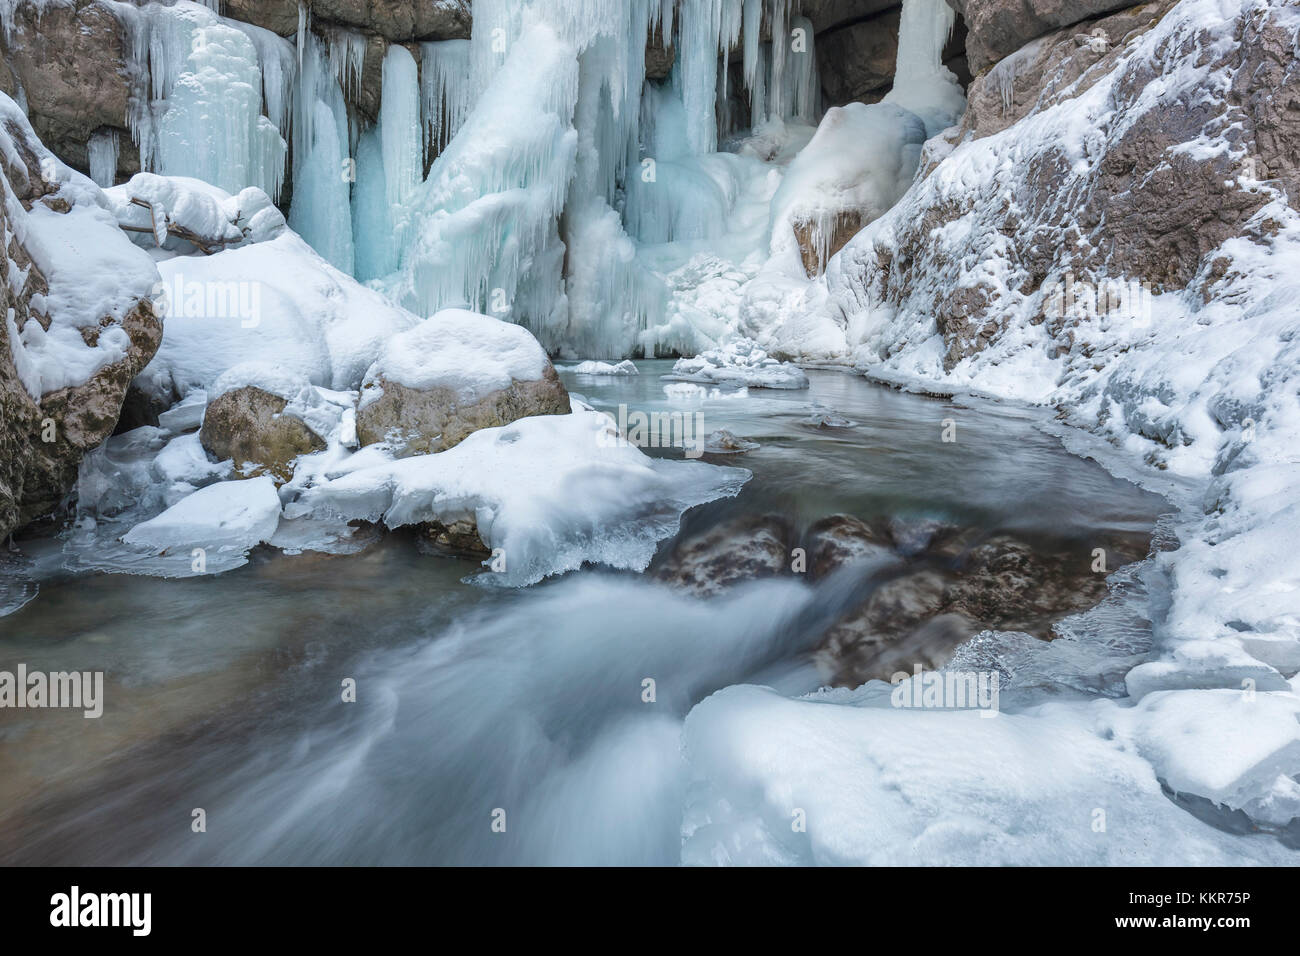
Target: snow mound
[
  {"x": 860, "y": 162},
  {"x": 470, "y": 353},
  {"x": 738, "y": 364},
  {"x": 273, "y": 297}
]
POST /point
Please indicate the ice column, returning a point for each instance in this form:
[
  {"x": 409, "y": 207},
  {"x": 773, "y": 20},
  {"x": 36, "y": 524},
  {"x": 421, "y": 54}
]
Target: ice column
[
  {"x": 922, "y": 83},
  {"x": 323, "y": 170},
  {"x": 103, "y": 151}
]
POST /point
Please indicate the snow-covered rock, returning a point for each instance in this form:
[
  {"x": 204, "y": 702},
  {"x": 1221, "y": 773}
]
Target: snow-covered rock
[
  {"x": 451, "y": 375},
  {"x": 181, "y": 214},
  {"x": 78, "y": 324},
  {"x": 853, "y": 171},
  {"x": 546, "y": 494},
  {"x": 603, "y": 369}
]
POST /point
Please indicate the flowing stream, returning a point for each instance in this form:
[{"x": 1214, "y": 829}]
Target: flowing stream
[{"x": 477, "y": 705}]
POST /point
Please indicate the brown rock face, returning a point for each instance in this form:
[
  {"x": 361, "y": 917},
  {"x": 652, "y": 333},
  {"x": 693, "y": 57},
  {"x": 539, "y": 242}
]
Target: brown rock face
[
  {"x": 70, "y": 62},
  {"x": 425, "y": 421},
  {"x": 43, "y": 441},
  {"x": 857, "y": 60},
  {"x": 399, "y": 21},
  {"x": 816, "y": 252},
  {"x": 1000, "y": 27},
  {"x": 249, "y": 426}
]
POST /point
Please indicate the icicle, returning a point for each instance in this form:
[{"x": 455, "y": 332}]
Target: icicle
[
  {"x": 372, "y": 220},
  {"x": 780, "y": 10},
  {"x": 801, "y": 86},
  {"x": 198, "y": 84},
  {"x": 347, "y": 56},
  {"x": 752, "y": 29},
  {"x": 445, "y": 90},
  {"x": 323, "y": 171},
  {"x": 103, "y": 151}
]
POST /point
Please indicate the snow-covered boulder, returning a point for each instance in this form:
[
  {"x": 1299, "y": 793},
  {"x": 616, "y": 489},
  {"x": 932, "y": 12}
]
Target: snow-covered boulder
[
  {"x": 182, "y": 214},
  {"x": 451, "y": 375},
  {"x": 605, "y": 369},
  {"x": 76, "y": 323}
]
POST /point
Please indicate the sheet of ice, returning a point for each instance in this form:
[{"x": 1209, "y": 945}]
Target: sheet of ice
[
  {"x": 1237, "y": 748},
  {"x": 230, "y": 516},
  {"x": 548, "y": 494},
  {"x": 102, "y": 152}
]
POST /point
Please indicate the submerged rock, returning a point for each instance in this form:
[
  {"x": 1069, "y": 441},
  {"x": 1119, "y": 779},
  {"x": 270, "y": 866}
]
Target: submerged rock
[
  {"x": 745, "y": 549},
  {"x": 723, "y": 442}
]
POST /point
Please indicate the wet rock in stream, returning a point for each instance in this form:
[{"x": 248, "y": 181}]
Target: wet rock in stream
[{"x": 936, "y": 584}]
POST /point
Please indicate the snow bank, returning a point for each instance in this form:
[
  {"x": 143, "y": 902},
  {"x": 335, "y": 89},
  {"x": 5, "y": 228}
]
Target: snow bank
[{"x": 844, "y": 778}]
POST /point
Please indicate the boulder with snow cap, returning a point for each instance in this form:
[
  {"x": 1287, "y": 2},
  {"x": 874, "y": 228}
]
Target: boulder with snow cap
[{"x": 452, "y": 375}]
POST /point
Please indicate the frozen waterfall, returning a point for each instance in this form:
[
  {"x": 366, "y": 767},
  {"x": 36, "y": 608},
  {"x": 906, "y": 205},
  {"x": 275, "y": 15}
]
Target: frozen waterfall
[{"x": 532, "y": 171}]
